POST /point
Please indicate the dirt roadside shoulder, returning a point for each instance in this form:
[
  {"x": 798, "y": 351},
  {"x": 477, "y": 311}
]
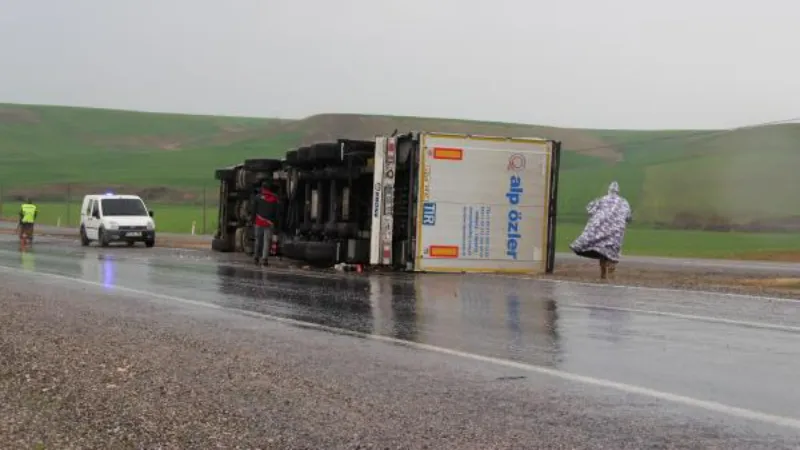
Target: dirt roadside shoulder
[
  {"x": 164, "y": 241},
  {"x": 685, "y": 278}
]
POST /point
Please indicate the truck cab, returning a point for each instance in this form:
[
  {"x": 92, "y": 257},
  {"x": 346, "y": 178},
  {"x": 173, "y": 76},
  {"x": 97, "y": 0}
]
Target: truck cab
[{"x": 108, "y": 218}]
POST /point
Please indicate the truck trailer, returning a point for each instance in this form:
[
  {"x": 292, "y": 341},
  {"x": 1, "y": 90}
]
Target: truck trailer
[{"x": 419, "y": 201}]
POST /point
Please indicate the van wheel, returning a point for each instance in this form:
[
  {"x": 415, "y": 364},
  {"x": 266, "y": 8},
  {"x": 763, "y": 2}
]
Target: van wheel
[
  {"x": 150, "y": 243},
  {"x": 101, "y": 237},
  {"x": 84, "y": 239}
]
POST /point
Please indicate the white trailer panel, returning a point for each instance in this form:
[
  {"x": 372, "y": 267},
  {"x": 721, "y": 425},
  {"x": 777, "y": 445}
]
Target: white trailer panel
[
  {"x": 387, "y": 219},
  {"x": 483, "y": 204}
]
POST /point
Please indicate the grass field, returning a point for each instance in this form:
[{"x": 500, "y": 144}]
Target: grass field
[{"x": 674, "y": 178}]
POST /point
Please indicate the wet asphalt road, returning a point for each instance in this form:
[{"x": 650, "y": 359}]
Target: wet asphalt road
[
  {"x": 728, "y": 365},
  {"x": 706, "y": 265}
]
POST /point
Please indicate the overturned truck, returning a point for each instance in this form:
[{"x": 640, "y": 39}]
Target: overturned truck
[{"x": 419, "y": 201}]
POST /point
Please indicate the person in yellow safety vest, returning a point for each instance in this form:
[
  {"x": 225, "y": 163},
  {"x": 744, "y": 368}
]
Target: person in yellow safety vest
[{"x": 27, "y": 217}]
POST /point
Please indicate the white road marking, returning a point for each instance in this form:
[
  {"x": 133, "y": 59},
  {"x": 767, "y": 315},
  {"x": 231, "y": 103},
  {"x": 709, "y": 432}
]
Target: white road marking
[
  {"x": 717, "y": 407},
  {"x": 711, "y": 319}
]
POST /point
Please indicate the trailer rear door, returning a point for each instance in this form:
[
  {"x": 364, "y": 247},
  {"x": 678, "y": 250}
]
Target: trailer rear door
[{"x": 484, "y": 204}]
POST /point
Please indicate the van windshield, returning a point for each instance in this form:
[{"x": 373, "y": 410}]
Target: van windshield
[{"x": 123, "y": 207}]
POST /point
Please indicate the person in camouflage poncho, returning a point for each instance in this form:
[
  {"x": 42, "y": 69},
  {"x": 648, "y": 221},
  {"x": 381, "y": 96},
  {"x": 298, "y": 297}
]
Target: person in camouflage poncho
[{"x": 604, "y": 232}]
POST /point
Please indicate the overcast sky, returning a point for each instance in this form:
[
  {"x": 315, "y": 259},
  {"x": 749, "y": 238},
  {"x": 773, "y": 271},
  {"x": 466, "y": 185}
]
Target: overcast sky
[{"x": 587, "y": 63}]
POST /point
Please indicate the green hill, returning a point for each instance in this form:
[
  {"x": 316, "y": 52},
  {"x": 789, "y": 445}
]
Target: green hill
[{"x": 682, "y": 178}]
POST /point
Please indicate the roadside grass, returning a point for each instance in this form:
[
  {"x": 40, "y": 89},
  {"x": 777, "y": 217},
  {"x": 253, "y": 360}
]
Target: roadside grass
[
  {"x": 691, "y": 244},
  {"x": 169, "y": 218}
]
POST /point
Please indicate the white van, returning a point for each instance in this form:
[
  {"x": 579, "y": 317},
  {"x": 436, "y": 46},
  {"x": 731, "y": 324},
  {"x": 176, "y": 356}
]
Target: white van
[{"x": 116, "y": 218}]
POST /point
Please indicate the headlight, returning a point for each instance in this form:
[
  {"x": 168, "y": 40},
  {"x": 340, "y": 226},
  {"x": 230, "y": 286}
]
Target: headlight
[
  {"x": 151, "y": 226},
  {"x": 113, "y": 225}
]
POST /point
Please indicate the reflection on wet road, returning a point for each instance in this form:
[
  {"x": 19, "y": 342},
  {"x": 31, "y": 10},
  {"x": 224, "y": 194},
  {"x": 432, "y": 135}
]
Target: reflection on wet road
[{"x": 734, "y": 350}]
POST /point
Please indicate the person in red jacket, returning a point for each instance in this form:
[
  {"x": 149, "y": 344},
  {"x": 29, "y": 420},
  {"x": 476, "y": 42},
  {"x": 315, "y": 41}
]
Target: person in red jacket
[{"x": 265, "y": 210}]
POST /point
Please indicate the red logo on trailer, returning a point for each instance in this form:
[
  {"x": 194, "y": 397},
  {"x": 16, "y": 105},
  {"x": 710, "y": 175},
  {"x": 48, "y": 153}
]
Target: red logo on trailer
[{"x": 516, "y": 162}]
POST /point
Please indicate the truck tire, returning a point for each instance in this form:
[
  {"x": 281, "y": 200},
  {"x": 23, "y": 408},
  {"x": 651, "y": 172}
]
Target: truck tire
[
  {"x": 304, "y": 154},
  {"x": 221, "y": 245},
  {"x": 289, "y": 249},
  {"x": 327, "y": 152},
  {"x": 299, "y": 250},
  {"x": 243, "y": 210},
  {"x": 262, "y": 165},
  {"x": 320, "y": 253},
  {"x": 238, "y": 240},
  {"x": 357, "y": 148},
  {"x": 237, "y": 179},
  {"x": 242, "y": 176}
]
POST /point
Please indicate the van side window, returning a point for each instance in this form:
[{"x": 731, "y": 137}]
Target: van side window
[
  {"x": 89, "y": 207},
  {"x": 95, "y": 209}
]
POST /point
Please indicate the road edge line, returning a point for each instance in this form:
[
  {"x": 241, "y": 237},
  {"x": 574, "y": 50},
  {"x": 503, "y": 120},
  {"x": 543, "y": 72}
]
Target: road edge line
[{"x": 713, "y": 406}]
